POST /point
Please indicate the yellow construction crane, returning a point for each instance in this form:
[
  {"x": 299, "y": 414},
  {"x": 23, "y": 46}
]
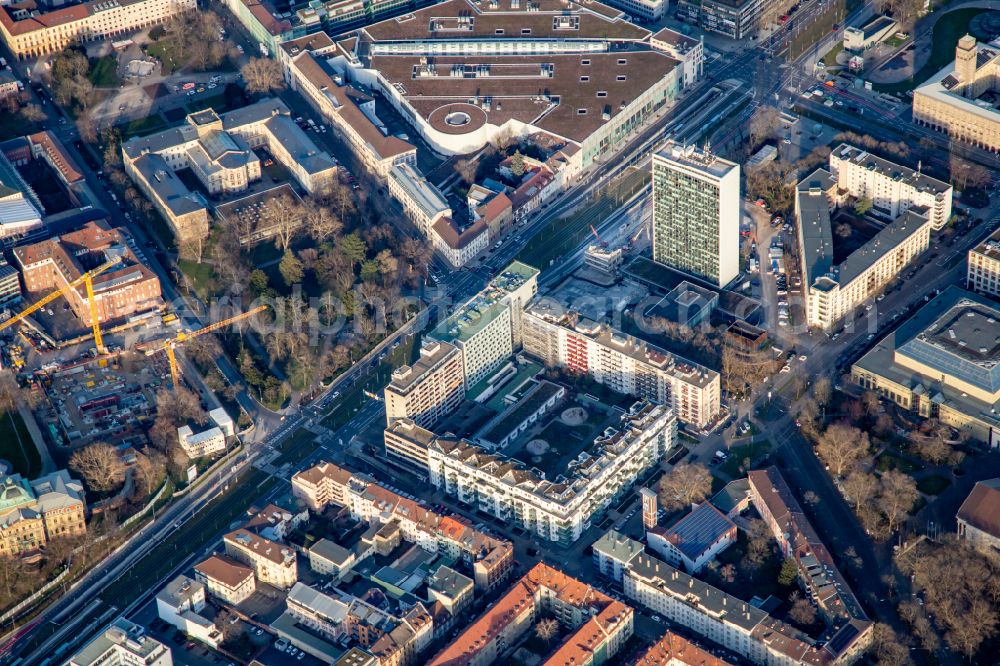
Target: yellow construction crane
[
  {"x": 182, "y": 337},
  {"x": 87, "y": 279}
]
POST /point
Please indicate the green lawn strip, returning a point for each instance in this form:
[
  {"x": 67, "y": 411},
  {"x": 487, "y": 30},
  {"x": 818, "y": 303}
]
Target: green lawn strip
[
  {"x": 353, "y": 397},
  {"x": 816, "y": 30},
  {"x": 933, "y": 485},
  {"x": 830, "y": 59},
  {"x": 947, "y": 32},
  {"x": 16, "y": 446},
  {"x": 142, "y": 126},
  {"x": 190, "y": 537}
]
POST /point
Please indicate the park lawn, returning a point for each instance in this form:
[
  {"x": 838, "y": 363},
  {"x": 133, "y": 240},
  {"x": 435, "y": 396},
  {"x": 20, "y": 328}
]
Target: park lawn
[
  {"x": 933, "y": 485},
  {"x": 202, "y": 276},
  {"x": 752, "y": 450},
  {"x": 16, "y": 446},
  {"x": 947, "y": 32},
  {"x": 168, "y": 54},
  {"x": 888, "y": 461},
  {"x": 830, "y": 59},
  {"x": 104, "y": 72}
]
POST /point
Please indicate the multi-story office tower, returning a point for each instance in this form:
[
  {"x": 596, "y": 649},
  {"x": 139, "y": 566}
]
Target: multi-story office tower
[
  {"x": 427, "y": 390},
  {"x": 696, "y": 213},
  {"x": 984, "y": 266}
]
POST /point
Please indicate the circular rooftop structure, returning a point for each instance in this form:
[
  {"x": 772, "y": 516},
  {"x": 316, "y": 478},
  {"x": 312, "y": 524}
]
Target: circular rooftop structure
[{"x": 458, "y": 118}]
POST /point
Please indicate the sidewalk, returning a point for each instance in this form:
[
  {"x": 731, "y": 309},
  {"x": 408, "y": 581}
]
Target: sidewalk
[{"x": 48, "y": 465}]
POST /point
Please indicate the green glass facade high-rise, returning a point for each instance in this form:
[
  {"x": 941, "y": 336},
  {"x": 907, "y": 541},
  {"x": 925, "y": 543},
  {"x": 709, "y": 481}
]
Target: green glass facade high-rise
[{"x": 696, "y": 213}]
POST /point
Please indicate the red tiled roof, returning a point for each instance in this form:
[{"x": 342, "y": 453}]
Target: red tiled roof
[
  {"x": 522, "y": 598},
  {"x": 981, "y": 508},
  {"x": 673, "y": 648},
  {"x": 456, "y": 239},
  {"x": 56, "y": 152},
  {"x": 495, "y": 207}
]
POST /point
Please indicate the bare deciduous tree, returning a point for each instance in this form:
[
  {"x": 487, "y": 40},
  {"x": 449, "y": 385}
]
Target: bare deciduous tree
[
  {"x": 841, "y": 447},
  {"x": 685, "y": 484},
  {"x": 100, "y": 466},
  {"x": 860, "y": 487},
  {"x": 897, "y": 495},
  {"x": 262, "y": 75},
  {"x": 547, "y": 629}
]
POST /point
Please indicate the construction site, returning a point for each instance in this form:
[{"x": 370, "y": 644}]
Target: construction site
[{"x": 94, "y": 341}]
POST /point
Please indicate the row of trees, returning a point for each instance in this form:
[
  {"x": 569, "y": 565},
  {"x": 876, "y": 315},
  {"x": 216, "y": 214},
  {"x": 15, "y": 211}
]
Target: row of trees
[
  {"x": 961, "y": 591},
  {"x": 883, "y": 500}
]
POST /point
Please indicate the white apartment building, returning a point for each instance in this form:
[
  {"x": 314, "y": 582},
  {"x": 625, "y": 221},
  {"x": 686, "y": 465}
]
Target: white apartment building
[
  {"x": 423, "y": 204},
  {"x": 272, "y": 563},
  {"x": 29, "y": 34},
  {"x": 688, "y": 50},
  {"x": 330, "y": 559},
  {"x": 322, "y": 613},
  {"x": 491, "y": 559},
  {"x": 226, "y": 579},
  {"x": 736, "y": 624},
  {"x": 221, "y": 418},
  {"x": 429, "y": 389},
  {"x": 457, "y": 245},
  {"x": 892, "y": 189},
  {"x": 613, "y": 554},
  {"x": 124, "y": 643},
  {"x": 834, "y": 291},
  {"x": 180, "y": 604},
  {"x": 393, "y": 640},
  {"x": 488, "y": 328},
  {"x": 322, "y": 485},
  {"x": 696, "y": 213},
  {"x": 984, "y": 266},
  {"x": 560, "y": 509},
  {"x": 202, "y": 444},
  {"x": 565, "y": 339},
  {"x": 406, "y": 445}
]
